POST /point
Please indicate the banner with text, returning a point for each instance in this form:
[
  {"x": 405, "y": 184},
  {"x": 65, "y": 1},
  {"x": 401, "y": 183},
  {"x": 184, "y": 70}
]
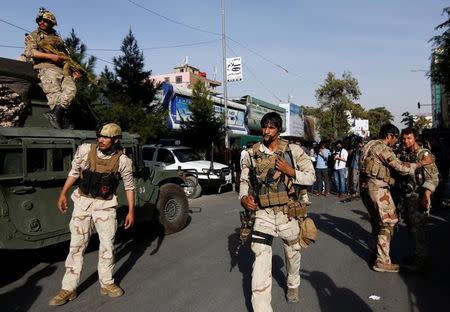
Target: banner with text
[{"x": 234, "y": 69}]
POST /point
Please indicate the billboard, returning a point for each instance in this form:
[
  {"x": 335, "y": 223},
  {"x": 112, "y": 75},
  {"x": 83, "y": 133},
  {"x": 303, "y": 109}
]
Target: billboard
[{"x": 234, "y": 69}]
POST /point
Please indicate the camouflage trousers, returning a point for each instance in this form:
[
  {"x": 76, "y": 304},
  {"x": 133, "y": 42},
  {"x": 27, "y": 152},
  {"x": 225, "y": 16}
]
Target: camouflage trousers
[
  {"x": 59, "y": 89},
  {"x": 87, "y": 213},
  {"x": 278, "y": 225},
  {"x": 416, "y": 220},
  {"x": 382, "y": 216},
  {"x": 12, "y": 107}
]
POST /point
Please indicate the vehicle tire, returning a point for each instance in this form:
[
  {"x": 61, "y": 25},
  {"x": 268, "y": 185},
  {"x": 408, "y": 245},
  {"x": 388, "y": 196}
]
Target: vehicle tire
[
  {"x": 173, "y": 208},
  {"x": 192, "y": 189}
]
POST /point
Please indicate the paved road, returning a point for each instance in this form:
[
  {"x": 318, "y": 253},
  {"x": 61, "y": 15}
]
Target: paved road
[{"x": 196, "y": 270}]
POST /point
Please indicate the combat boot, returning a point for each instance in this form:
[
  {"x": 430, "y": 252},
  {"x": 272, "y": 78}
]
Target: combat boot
[
  {"x": 386, "y": 267},
  {"x": 62, "y": 297},
  {"x": 292, "y": 295},
  {"x": 56, "y": 117},
  {"x": 111, "y": 290}
]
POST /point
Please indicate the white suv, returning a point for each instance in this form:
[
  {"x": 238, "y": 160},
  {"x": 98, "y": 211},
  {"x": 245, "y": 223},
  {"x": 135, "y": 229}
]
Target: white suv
[{"x": 200, "y": 174}]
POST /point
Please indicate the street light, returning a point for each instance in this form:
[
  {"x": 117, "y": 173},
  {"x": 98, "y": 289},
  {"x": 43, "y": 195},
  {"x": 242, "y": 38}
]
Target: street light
[{"x": 419, "y": 105}]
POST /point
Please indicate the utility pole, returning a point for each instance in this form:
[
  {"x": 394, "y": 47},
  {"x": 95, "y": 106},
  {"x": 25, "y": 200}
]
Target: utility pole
[{"x": 224, "y": 64}]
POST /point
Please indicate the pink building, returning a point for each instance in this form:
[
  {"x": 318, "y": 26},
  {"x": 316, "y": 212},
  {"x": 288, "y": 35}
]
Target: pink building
[{"x": 186, "y": 76}]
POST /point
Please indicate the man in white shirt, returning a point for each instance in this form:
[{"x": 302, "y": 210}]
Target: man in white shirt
[{"x": 340, "y": 170}]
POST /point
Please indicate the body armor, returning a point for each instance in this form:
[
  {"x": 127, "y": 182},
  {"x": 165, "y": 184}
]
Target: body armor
[
  {"x": 273, "y": 189},
  {"x": 101, "y": 178}
]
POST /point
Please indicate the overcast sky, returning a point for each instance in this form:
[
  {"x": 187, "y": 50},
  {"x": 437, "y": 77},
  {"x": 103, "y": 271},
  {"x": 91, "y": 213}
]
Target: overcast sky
[{"x": 383, "y": 43}]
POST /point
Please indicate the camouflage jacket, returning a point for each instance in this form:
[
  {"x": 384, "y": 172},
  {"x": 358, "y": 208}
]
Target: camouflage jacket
[
  {"x": 427, "y": 176},
  {"x": 376, "y": 162},
  {"x": 304, "y": 169},
  {"x": 36, "y": 41}
]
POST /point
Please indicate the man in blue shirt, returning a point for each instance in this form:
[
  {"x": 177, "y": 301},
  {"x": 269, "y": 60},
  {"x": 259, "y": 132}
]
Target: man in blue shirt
[{"x": 322, "y": 170}]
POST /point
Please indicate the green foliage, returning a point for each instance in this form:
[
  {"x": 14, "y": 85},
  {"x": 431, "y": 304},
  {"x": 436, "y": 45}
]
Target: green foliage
[
  {"x": 415, "y": 121},
  {"x": 127, "y": 93},
  {"x": 203, "y": 126},
  {"x": 377, "y": 117},
  {"x": 440, "y": 67},
  {"x": 336, "y": 96},
  {"x": 87, "y": 91}
]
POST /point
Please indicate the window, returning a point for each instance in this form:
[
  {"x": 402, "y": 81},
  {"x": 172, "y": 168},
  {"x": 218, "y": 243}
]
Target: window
[
  {"x": 186, "y": 154},
  {"x": 178, "y": 79},
  {"x": 165, "y": 156},
  {"x": 36, "y": 159},
  {"x": 11, "y": 162},
  {"x": 147, "y": 153},
  {"x": 49, "y": 159}
]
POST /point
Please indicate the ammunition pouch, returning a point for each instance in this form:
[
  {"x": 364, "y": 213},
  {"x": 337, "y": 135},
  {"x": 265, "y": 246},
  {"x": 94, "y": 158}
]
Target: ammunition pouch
[
  {"x": 373, "y": 169},
  {"x": 99, "y": 185},
  {"x": 308, "y": 232},
  {"x": 296, "y": 209}
]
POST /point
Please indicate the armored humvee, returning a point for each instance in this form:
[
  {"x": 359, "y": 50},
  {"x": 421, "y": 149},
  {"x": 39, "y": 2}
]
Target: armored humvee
[{"x": 35, "y": 160}]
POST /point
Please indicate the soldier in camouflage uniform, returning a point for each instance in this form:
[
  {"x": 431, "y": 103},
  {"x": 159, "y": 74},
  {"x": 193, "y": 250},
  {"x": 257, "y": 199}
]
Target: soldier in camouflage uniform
[
  {"x": 377, "y": 161},
  {"x": 416, "y": 198},
  {"x": 275, "y": 165},
  {"x": 98, "y": 167},
  {"x": 58, "y": 86}
]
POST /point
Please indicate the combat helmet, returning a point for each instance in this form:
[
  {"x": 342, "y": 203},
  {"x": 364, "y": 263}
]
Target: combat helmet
[
  {"x": 110, "y": 130},
  {"x": 46, "y": 15}
]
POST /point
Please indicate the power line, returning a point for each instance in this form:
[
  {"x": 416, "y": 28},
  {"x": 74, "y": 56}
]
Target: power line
[
  {"x": 11, "y": 24},
  {"x": 259, "y": 81},
  {"x": 159, "y": 47},
  {"x": 172, "y": 20}
]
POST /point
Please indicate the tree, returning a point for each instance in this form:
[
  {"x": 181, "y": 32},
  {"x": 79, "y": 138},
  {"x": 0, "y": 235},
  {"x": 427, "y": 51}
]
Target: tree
[
  {"x": 87, "y": 91},
  {"x": 377, "y": 117},
  {"x": 440, "y": 67},
  {"x": 203, "y": 122},
  {"x": 129, "y": 68},
  {"x": 336, "y": 96},
  {"x": 127, "y": 93},
  {"x": 415, "y": 121}
]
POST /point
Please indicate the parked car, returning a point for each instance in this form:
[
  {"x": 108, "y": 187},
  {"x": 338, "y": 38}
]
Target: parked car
[{"x": 199, "y": 173}]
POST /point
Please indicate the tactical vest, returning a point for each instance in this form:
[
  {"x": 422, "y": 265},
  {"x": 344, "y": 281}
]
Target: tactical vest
[
  {"x": 44, "y": 40},
  {"x": 273, "y": 186},
  {"x": 371, "y": 165},
  {"x": 412, "y": 183},
  {"x": 101, "y": 178}
]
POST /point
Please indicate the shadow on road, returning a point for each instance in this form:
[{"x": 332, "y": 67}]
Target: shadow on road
[
  {"x": 20, "y": 299},
  {"x": 430, "y": 291},
  {"x": 244, "y": 261},
  {"x": 347, "y": 232},
  {"x": 333, "y": 298}
]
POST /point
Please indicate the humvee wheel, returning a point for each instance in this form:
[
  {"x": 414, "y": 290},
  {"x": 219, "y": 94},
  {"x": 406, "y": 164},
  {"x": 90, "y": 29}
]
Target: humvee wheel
[
  {"x": 192, "y": 189},
  {"x": 173, "y": 208}
]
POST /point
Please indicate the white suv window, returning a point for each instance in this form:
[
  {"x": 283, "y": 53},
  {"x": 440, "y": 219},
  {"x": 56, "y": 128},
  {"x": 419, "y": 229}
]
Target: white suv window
[
  {"x": 147, "y": 153},
  {"x": 186, "y": 154},
  {"x": 165, "y": 156}
]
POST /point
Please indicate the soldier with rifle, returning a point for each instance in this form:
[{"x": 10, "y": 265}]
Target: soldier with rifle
[
  {"x": 270, "y": 172},
  {"x": 56, "y": 70},
  {"x": 415, "y": 198}
]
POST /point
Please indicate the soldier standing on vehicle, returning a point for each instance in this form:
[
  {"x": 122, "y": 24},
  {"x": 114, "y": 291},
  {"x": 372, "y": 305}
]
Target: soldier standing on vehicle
[
  {"x": 416, "y": 198},
  {"x": 48, "y": 52},
  {"x": 377, "y": 161},
  {"x": 268, "y": 171},
  {"x": 98, "y": 167}
]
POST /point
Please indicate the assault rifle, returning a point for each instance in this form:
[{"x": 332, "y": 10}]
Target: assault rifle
[{"x": 248, "y": 217}]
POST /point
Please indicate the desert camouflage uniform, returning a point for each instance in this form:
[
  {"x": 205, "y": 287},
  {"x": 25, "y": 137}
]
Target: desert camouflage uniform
[
  {"x": 274, "y": 222},
  {"x": 60, "y": 89},
  {"x": 377, "y": 161},
  {"x": 89, "y": 212},
  {"x": 12, "y": 106},
  {"x": 416, "y": 217}
]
